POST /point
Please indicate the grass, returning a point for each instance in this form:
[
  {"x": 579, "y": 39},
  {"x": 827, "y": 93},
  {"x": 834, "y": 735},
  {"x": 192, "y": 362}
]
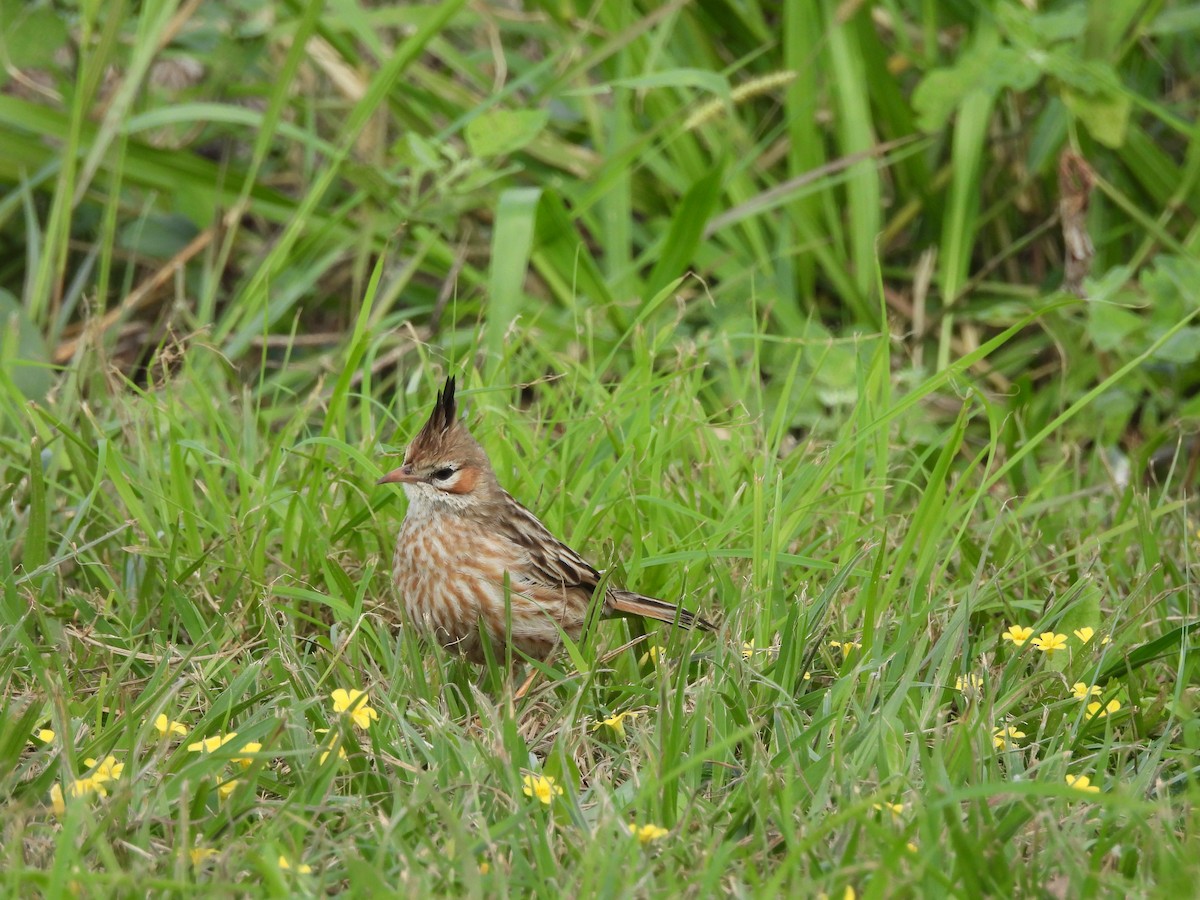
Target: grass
[{"x": 760, "y": 311}]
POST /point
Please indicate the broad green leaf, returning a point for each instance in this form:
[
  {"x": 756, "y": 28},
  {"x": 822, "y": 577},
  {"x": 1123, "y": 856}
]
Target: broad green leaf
[
  {"x": 1105, "y": 114},
  {"x": 988, "y": 68},
  {"x": 501, "y": 131},
  {"x": 1111, "y": 326},
  {"x": 29, "y": 39}
]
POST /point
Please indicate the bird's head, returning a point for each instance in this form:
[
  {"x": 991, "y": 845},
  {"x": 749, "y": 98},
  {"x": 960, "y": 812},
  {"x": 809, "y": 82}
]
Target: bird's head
[{"x": 443, "y": 463}]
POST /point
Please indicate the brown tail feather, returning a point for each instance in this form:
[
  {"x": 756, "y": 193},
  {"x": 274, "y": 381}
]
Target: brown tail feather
[{"x": 627, "y": 603}]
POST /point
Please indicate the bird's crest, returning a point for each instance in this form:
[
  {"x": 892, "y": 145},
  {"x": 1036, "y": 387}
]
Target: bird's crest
[
  {"x": 441, "y": 431},
  {"x": 442, "y": 419}
]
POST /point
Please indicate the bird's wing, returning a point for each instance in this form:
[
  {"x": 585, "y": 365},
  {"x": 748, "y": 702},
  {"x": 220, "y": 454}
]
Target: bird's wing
[{"x": 548, "y": 561}]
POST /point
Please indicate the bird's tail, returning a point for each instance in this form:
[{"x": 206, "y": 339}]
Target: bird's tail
[{"x": 627, "y": 603}]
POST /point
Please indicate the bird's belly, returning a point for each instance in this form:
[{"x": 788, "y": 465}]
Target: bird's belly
[{"x": 450, "y": 584}]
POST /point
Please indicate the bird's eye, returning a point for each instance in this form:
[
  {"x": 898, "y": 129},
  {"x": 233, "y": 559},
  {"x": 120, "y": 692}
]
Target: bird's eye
[{"x": 443, "y": 473}]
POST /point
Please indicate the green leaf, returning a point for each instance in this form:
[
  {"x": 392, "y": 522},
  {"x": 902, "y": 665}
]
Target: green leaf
[
  {"x": 30, "y": 40},
  {"x": 1111, "y": 326},
  {"x": 713, "y": 82},
  {"x": 987, "y": 68},
  {"x": 512, "y": 242},
  {"x": 24, "y": 357},
  {"x": 1182, "y": 347},
  {"x": 687, "y": 228},
  {"x": 1169, "y": 646},
  {"x": 1104, "y": 114},
  {"x": 501, "y": 131}
]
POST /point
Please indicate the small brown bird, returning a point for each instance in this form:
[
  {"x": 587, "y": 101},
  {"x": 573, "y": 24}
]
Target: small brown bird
[{"x": 466, "y": 543}]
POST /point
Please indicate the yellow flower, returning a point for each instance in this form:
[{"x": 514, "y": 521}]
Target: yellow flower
[
  {"x": 1018, "y": 634},
  {"x": 969, "y": 684},
  {"x": 1006, "y": 738},
  {"x": 651, "y": 654},
  {"x": 57, "y": 803},
  {"x": 1083, "y": 783},
  {"x": 106, "y": 770},
  {"x": 542, "y": 787},
  {"x": 1095, "y": 708},
  {"x": 88, "y": 785},
  {"x": 226, "y": 787},
  {"x": 1049, "y": 642},
  {"x": 894, "y": 808},
  {"x": 248, "y": 747},
  {"x": 200, "y": 855},
  {"x": 485, "y": 867},
  {"x": 617, "y": 722},
  {"x": 355, "y": 702},
  {"x": 212, "y": 744},
  {"x": 1081, "y": 691},
  {"x": 1085, "y": 634},
  {"x": 334, "y": 742},
  {"x": 845, "y": 646},
  {"x": 45, "y": 735},
  {"x": 303, "y": 868},
  {"x": 808, "y": 676},
  {"x": 167, "y": 726},
  {"x": 910, "y": 847},
  {"x": 647, "y": 833}
]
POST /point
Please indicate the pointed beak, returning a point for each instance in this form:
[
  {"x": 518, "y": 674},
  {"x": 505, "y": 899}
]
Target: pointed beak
[{"x": 402, "y": 475}]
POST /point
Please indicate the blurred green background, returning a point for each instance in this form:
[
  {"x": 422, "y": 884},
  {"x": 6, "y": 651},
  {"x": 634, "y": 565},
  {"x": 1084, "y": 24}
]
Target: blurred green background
[{"x": 235, "y": 172}]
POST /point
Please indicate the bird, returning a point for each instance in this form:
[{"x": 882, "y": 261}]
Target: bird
[{"x": 474, "y": 566}]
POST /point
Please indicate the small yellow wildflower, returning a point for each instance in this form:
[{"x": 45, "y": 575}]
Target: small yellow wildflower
[
  {"x": 88, "y": 785},
  {"x": 45, "y": 735},
  {"x": 910, "y": 847},
  {"x": 166, "y": 726},
  {"x": 617, "y": 722},
  {"x": 57, "y": 803},
  {"x": 485, "y": 867},
  {"x": 845, "y": 646},
  {"x": 334, "y": 742},
  {"x": 542, "y": 787},
  {"x": 200, "y": 855},
  {"x": 1081, "y": 691},
  {"x": 1049, "y": 642},
  {"x": 248, "y": 747},
  {"x": 212, "y": 744},
  {"x": 303, "y": 868},
  {"x": 1083, "y": 783},
  {"x": 1018, "y": 634},
  {"x": 1005, "y": 738},
  {"x": 226, "y": 787},
  {"x": 1095, "y": 708},
  {"x": 1085, "y": 634},
  {"x": 355, "y": 702},
  {"x": 106, "y": 770},
  {"x": 894, "y": 808},
  {"x": 647, "y": 834},
  {"x": 651, "y": 654},
  {"x": 969, "y": 684},
  {"x": 808, "y": 676}
]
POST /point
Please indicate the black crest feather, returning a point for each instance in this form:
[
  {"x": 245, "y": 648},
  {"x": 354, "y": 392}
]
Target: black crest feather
[{"x": 442, "y": 417}]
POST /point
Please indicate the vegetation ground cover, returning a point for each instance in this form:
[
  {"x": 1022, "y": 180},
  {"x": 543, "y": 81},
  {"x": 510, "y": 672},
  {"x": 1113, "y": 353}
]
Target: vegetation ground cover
[{"x": 866, "y": 329}]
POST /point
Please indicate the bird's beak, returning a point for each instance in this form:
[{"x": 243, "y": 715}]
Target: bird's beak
[{"x": 402, "y": 475}]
